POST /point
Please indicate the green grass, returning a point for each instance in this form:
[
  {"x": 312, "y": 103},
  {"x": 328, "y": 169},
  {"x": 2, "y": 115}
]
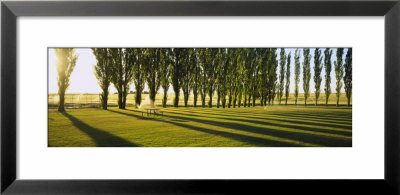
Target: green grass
[{"x": 272, "y": 126}]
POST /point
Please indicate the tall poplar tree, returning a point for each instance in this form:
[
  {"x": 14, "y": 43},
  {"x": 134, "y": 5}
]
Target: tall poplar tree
[
  {"x": 66, "y": 62},
  {"x": 328, "y": 68},
  {"x": 139, "y": 75},
  {"x": 102, "y": 71},
  {"x": 176, "y": 73},
  {"x": 287, "y": 77},
  {"x": 348, "y": 66},
  {"x": 211, "y": 74},
  {"x": 165, "y": 73},
  {"x": 196, "y": 79},
  {"x": 306, "y": 73},
  {"x": 203, "y": 61},
  {"x": 153, "y": 76},
  {"x": 296, "y": 74},
  {"x": 317, "y": 73},
  {"x": 339, "y": 73},
  {"x": 282, "y": 63},
  {"x": 187, "y": 72}
]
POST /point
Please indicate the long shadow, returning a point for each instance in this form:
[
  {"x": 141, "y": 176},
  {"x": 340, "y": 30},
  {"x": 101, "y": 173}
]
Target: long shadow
[
  {"x": 300, "y": 136},
  {"x": 321, "y": 117},
  {"x": 243, "y": 138},
  {"x": 281, "y": 119},
  {"x": 333, "y": 132},
  {"x": 297, "y": 136},
  {"x": 318, "y": 115},
  {"x": 100, "y": 137}
]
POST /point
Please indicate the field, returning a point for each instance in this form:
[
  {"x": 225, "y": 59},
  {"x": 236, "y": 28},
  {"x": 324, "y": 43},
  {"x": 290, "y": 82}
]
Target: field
[{"x": 271, "y": 126}]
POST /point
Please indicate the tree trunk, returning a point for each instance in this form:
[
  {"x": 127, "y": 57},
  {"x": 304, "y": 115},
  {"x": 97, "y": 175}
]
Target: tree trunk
[
  {"x": 326, "y": 100},
  {"x": 176, "y": 99},
  {"x": 348, "y": 101},
  {"x": 203, "y": 100},
  {"x": 186, "y": 98},
  {"x": 337, "y": 101},
  {"x": 104, "y": 99},
  {"x": 254, "y": 99},
  {"x": 138, "y": 98},
  {"x": 245, "y": 100},
  {"x": 165, "y": 99},
  {"x": 210, "y": 100},
  {"x": 218, "y": 98},
  {"x": 195, "y": 99},
  {"x": 230, "y": 101},
  {"x": 61, "y": 105},
  {"x": 287, "y": 97}
]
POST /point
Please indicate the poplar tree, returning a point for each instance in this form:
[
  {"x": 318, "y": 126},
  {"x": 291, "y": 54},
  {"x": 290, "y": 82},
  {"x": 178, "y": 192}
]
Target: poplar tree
[
  {"x": 196, "y": 79},
  {"x": 272, "y": 76},
  {"x": 203, "y": 60},
  {"x": 328, "y": 68},
  {"x": 282, "y": 63},
  {"x": 296, "y": 74},
  {"x": 102, "y": 71},
  {"x": 339, "y": 73},
  {"x": 165, "y": 73},
  {"x": 176, "y": 73},
  {"x": 287, "y": 77},
  {"x": 186, "y": 73},
  {"x": 139, "y": 75},
  {"x": 211, "y": 74},
  {"x": 66, "y": 62},
  {"x": 317, "y": 73},
  {"x": 153, "y": 76},
  {"x": 348, "y": 74},
  {"x": 306, "y": 73}
]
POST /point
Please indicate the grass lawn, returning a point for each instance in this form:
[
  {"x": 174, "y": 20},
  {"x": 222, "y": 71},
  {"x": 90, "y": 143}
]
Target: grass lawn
[{"x": 272, "y": 126}]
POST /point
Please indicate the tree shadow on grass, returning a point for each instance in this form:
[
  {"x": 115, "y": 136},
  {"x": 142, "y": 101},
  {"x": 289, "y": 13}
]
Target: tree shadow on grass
[
  {"x": 261, "y": 120},
  {"x": 323, "y": 140},
  {"x": 243, "y": 138},
  {"x": 100, "y": 137}
]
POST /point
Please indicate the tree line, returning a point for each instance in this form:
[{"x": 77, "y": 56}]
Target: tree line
[{"x": 238, "y": 76}]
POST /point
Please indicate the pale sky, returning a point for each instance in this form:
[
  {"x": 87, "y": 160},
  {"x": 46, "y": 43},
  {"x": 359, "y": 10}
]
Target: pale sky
[{"x": 83, "y": 79}]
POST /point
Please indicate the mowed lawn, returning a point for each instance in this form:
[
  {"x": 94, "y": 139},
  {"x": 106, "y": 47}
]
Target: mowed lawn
[{"x": 271, "y": 126}]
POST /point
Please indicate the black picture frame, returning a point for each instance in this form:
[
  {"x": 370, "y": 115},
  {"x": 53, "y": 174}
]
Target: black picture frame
[{"x": 10, "y": 10}]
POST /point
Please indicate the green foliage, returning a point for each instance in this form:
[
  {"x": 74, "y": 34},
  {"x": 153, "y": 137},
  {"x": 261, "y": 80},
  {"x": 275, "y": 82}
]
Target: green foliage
[
  {"x": 282, "y": 63},
  {"x": 122, "y": 61},
  {"x": 152, "y": 58},
  {"x": 328, "y": 68},
  {"x": 287, "y": 77},
  {"x": 102, "y": 71},
  {"x": 186, "y": 57},
  {"x": 339, "y": 73},
  {"x": 176, "y": 73},
  {"x": 272, "y": 76},
  {"x": 196, "y": 78},
  {"x": 139, "y": 75},
  {"x": 296, "y": 74},
  {"x": 348, "y": 66},
  {"x": 164, "y": 71},
  {"x": 66, "y": 62},
  {"x": 210, "y": 67},
  {"x": 306, "y": 73},
  {"x": 317, "y": 73}
]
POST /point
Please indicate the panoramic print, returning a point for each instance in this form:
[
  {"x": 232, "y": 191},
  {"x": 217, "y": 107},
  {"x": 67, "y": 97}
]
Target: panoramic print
[{"x": 199, "y": 97}]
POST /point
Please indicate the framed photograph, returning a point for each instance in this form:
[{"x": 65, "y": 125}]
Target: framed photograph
[{"x": 201, "y": 97}]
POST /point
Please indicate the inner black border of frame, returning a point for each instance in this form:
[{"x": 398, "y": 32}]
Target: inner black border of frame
[{"x": 10, "y": 10}]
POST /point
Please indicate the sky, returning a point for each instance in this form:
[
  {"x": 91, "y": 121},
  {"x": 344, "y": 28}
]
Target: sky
[{"x": 83, "y": 79}]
